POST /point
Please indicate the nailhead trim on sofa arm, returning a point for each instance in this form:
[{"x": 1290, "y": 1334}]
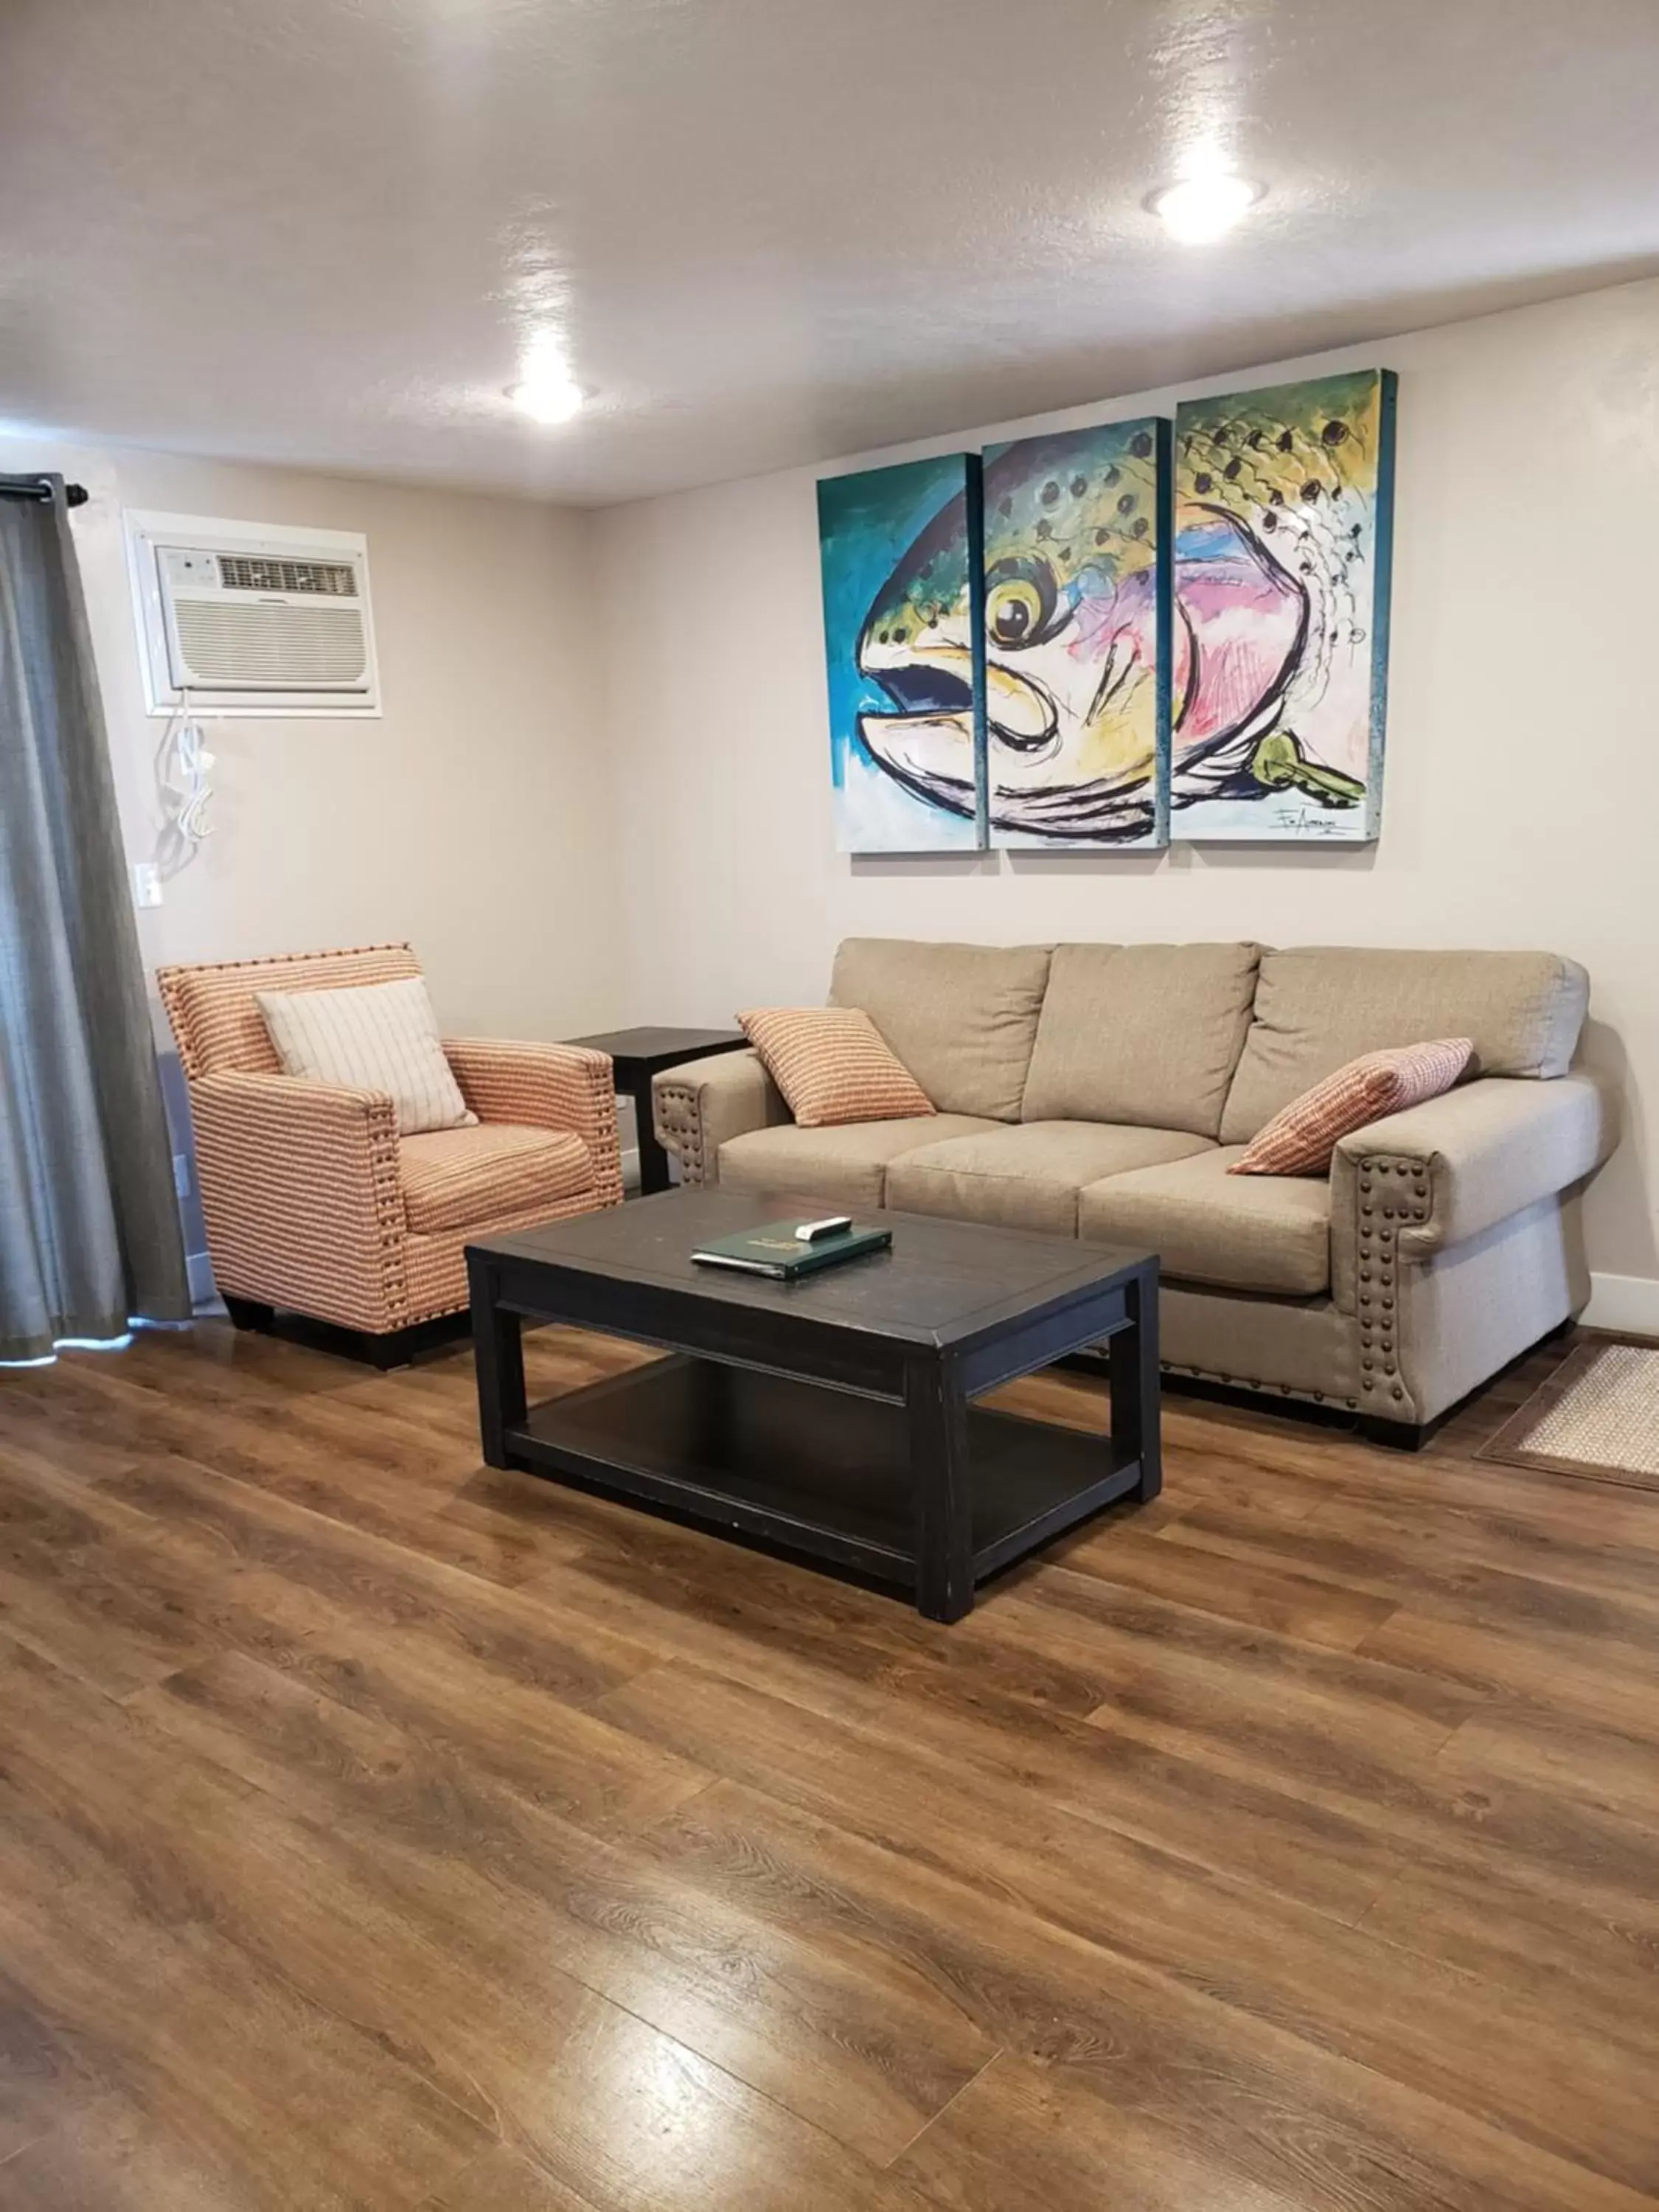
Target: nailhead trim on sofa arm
[
  {"x": 1394, "y": 1195},
  {"x": 679, "y": 1125}
]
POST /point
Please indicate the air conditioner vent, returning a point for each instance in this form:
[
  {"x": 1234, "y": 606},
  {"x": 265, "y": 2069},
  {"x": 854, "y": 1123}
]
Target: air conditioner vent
[
  {"x": 243, "y": 573},
  {"x": 252, "y": 618},
  {"x": 256, "y": 648}
]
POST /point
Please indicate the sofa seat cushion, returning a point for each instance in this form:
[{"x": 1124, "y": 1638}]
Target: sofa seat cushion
[
  {"x": 1149, "y": 1034},
  {"x": 847, "y": 1165},
  {"x": 1027, "y": 1177},
  {"x": 1243, "y": 1232},
  {"x": 453, "y": 1178}
]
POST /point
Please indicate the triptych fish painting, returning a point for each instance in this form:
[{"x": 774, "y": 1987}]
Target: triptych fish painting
[{"x": 1094, "y": 638}]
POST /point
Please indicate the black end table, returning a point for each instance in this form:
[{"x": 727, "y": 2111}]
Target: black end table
[
  {"x": 834, "y": 1416},
  {"x": 640, "y": 1054}
]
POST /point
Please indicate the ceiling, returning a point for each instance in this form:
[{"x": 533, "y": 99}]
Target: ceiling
[{"x": 322, "y": 232}]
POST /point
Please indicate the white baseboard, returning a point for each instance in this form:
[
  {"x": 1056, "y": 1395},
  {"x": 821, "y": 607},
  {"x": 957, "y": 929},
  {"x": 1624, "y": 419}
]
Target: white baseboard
[{"x": 1628, "y": 1303}]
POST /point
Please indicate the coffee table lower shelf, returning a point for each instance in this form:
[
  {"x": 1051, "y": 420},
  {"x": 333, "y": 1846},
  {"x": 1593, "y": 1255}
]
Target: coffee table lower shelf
[{"x": 815, "y": 1469}]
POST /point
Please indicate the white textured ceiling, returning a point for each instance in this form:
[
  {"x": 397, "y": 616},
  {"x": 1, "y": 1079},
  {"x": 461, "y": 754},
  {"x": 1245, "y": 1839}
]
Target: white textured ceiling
[{"x": 768, "y": 231}]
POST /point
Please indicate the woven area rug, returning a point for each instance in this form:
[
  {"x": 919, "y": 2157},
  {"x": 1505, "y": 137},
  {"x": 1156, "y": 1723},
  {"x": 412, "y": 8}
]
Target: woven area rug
[{"x": 1597, "y": 1417}]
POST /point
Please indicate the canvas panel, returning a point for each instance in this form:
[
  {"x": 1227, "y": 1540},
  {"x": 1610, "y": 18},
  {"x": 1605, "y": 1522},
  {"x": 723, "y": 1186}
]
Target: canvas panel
[
  {"x": 900, "y": 558},
  {"x": 1078, "y": 531},
  {"x": 1283, "y": 536}
]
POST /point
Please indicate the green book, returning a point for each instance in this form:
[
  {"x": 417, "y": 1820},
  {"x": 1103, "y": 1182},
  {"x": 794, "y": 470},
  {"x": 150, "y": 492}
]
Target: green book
[{"x": 774, "y": 1249}]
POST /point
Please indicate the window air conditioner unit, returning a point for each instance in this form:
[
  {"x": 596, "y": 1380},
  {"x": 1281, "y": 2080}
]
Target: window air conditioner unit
[{"x": 252, "y": 618}]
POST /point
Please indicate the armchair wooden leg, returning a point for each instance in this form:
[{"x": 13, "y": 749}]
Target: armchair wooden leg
[
  {"x": 396, "y": 1347},
  {"x": 248, "y": 1313}
]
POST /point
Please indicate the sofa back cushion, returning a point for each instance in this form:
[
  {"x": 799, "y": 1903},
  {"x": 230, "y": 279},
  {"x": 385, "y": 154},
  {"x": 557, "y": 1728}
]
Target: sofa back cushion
[
  {"x": 961, "y": 1018},
  {"x": 214, "y": 1011},
  {"x": 1145, "y": 1034},
  {"x": 1317, "y": 1007}
]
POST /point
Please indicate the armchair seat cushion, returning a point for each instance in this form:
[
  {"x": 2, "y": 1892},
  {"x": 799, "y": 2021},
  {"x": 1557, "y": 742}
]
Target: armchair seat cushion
[
  {"x": 457, "y": 1178},
  {"x": 847, "y": 1165},
  {"x": 1268, "y": 1233},
  {"x": 1028, "y": 1176}
]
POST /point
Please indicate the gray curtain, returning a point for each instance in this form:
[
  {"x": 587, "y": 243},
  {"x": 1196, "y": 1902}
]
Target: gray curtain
[{"x": 88, "y": 1220}]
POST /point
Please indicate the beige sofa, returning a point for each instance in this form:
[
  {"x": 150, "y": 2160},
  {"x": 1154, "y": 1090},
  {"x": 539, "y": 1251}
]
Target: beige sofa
[{"x": 1101, "y": 1091}]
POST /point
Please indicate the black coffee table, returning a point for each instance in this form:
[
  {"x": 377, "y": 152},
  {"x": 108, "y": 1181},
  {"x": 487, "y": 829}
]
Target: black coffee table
[
  {"x": 834, "y": 1416},
  {"x": 638, "y": 1054}
]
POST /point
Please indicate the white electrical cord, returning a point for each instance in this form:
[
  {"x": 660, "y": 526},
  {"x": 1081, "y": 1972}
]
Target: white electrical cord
[{"x": 183, "y": 767}]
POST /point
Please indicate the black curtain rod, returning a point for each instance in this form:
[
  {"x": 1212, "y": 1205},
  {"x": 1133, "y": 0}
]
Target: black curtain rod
[{"x": 40, "y": 487}]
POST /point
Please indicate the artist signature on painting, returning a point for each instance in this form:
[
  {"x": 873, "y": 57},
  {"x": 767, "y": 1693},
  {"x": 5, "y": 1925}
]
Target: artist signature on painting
[{"x": 1309, "y": 825}]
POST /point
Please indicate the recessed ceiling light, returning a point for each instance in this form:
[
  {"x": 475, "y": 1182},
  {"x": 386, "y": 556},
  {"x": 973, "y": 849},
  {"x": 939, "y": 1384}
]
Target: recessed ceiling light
[
  {"x": 548, "y": 398},
  {"x": 1199, "y": 209}
]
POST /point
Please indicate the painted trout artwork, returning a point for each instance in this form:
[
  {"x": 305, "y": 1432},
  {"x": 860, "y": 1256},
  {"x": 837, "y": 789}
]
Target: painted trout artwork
[
  {"x": 1284, "y": 531},
  {"x": 1041, "y": 655},
  {"x": 1077, "y": 707},
  {"x": 902, "y": 594}
]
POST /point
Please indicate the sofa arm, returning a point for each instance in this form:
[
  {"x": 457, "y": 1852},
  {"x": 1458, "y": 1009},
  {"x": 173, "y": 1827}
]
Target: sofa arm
[
  {"x": 302, "y": 1197},
  {"x": 697, "y": 1107},
  {"x": 545, "y": 1087},
  {"x": 1440, "y": 1173}
]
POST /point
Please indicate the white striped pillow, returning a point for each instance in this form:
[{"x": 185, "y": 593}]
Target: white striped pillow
[
  {"x": 370, "y": 1036},
  {"x": 833, "y": 1065}
]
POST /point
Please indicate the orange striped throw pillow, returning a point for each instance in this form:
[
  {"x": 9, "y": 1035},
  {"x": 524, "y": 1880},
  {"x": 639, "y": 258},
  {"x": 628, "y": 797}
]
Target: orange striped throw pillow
[
  {"x": 833, "y": 1065},
  {"x": 1299, "y": 1140}
]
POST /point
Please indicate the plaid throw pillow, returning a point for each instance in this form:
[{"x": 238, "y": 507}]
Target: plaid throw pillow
[
  {"x": 832, "y": 1066},
  {"x": 1299, "y": 1141}
]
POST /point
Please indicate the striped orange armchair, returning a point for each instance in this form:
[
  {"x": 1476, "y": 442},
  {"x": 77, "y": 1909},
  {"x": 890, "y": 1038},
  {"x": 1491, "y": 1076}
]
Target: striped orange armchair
[{"x": 315, "y": 1205}]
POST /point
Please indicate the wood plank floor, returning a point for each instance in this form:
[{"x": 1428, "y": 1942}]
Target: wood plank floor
[{"x": 380, "y": 1832}]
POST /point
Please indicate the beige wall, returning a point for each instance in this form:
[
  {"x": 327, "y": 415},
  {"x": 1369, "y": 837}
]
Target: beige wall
[
  {"x": 594, "y": 799},
  {"x": 474, "y": 818},
  {"x": 1521, "y": 794}
]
